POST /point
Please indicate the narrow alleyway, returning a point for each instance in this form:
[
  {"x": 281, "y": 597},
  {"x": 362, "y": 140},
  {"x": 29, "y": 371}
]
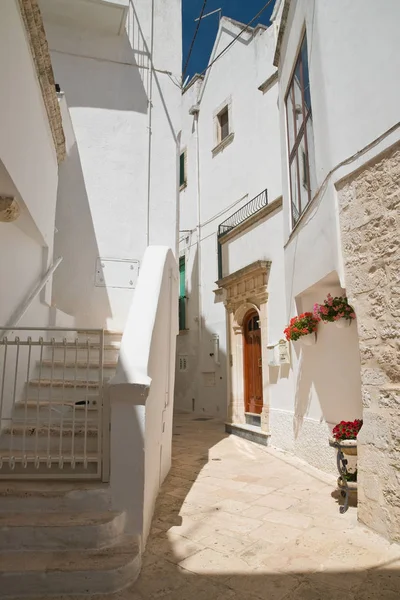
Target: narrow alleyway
[{"x": 236, "y": 521}]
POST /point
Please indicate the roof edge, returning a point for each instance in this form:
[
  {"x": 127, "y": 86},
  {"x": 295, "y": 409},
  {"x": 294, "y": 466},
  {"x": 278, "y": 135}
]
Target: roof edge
[{"x": 36, "y": 37}]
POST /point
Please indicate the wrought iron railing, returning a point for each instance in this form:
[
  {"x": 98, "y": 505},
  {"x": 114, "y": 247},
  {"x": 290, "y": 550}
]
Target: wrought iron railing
[
  {"x": 52, "y": 403},
  {"x": 239, "y": 217},
  {"x": 244, "y": 213}
]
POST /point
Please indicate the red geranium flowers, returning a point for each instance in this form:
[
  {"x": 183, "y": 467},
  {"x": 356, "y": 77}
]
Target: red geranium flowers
[
  {"x": 301, "y": 325},
  {"x": 347, "y": 430}
]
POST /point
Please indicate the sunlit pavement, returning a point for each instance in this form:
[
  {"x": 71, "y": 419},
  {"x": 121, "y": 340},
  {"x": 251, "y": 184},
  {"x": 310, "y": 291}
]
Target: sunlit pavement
[{"x": 238, "y": 521}]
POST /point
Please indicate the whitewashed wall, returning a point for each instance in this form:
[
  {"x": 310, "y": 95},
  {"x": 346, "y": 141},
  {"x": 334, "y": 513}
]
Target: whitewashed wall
[
  {"x": 347, "y": 77},
  {"x": 28, "y": 171},
  {"x": 246, "y": 167},
  {"x": 104, "y": 200},
  {"x": 141, "y": 393},
  {"x": 350, "y": 82}
]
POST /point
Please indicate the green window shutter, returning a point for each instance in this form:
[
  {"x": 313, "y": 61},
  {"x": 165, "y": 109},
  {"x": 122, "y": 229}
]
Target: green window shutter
[
  {"x": 182, "y": 174},
  {"x": 182, "y": 293}
]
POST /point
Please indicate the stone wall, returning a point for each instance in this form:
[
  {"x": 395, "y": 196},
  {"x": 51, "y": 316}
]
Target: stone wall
[{"x": 369, "y": 218}]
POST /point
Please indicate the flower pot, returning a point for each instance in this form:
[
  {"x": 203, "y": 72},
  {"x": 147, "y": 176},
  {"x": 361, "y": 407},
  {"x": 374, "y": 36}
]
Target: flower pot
[
  {"x": 348, "y": 447},
  {"x": 309, "y": 339},
  {"x": 351, "y": 485},
  {"x": 343, "y": 323}
]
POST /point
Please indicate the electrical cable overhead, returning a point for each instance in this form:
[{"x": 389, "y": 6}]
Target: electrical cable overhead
[
  {"x": 237, "y": 37},
  {"x": 193, "y": 40}
]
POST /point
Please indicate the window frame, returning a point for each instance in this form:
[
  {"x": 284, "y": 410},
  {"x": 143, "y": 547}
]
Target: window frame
[
  {"x": 220, "y": 126},
  {"x": 184, "y": 182},
  {"x": 220, "y": 143},
  {"x": 296, "y": 153},
  {"x": 182, "y": 296}
]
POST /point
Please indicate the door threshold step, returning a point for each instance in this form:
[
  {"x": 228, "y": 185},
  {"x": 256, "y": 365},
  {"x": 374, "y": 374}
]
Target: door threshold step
[{"x": 253, "y": 433}]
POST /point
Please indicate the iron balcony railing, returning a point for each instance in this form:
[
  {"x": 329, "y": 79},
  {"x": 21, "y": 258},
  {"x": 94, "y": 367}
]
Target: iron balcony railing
[
  {"x": 244, "y": 213},
  {"x": 239, "y": 217}
]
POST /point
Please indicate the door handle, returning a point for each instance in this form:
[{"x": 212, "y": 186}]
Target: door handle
[{"x": 260, "y": 362}]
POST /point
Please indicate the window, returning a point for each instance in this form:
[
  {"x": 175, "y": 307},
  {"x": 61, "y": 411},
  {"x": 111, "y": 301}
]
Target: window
[
  {"x": 223, "y": 124},
  {"x": 182, "y": 170},
  {"x": 300, "y": 136},
  {"x": 183, "y": 362},
  {"x": 182, "y": 293}
]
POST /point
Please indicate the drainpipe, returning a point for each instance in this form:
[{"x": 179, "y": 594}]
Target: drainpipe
[
  {"x": 149, "y": 124},
  {"x": 195, "y": 112}
]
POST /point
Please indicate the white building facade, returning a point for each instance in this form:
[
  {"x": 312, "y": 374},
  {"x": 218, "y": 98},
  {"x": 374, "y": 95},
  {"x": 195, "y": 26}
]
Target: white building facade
[
  {"x": 90, "y": 120},
  {"x": 118, "y": 67},
  {"x": 231, "y": 244},
  {"x": 340, "y": 156},
  {"x": 250, "y": 262}
]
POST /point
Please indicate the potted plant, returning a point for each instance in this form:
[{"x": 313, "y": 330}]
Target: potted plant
[
  {"x": 302, "y": 327},
  {"x": 344, "y": 435},
  {"x": 335, "y": 310},
  {"x": 348, "y": 480}
]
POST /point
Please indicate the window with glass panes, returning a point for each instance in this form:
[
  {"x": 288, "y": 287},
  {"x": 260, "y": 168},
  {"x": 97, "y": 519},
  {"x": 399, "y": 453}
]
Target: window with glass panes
[
  {"x": 182, "y": 293},
  {"x": 223, "y": 124},
  {"x": 182, "y": 169},
  {"x": 300, "y": 136}
]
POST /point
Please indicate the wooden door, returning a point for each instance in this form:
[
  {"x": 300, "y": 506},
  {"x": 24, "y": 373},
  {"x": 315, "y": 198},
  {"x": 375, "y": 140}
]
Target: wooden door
[{"x": 252, "y": 365}]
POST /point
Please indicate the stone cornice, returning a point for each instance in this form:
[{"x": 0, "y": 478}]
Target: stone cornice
[
  {"x": 282, "y": 27},
  {"x": 36, "y": 36},
  {"x": 257, "y": 267}
]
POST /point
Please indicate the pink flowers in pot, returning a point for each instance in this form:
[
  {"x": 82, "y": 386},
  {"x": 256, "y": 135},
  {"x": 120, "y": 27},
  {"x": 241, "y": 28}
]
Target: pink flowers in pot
[{"x": 334, "y": 309}]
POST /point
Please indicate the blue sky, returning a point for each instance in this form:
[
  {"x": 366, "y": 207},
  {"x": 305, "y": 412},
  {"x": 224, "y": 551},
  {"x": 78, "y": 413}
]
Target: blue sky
[{"x": 241, "y": 10}]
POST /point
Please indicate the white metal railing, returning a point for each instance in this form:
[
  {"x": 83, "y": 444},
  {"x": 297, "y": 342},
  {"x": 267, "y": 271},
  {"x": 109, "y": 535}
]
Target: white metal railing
[
  {"x": 21, "y": 310},
  {"x": 52, "y": 413}
]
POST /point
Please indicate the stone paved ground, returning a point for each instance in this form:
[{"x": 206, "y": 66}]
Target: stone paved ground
[{"x": 236, "y": 521}]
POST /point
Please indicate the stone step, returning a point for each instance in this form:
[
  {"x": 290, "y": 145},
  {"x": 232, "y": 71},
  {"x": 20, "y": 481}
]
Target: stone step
[
  {"x": 108, "y": 333},
  {"x": 54, "y": 496},
  {"x": 82, "y": 351},
  {"x": 35, "y": 411},
  {"x": 57, "y": 389},
  {"x": 66, "y": 383},
  {"x": 31, "y": 464},
  {"x": 29, "y": 574},
  {"x": 80, "y": 364},
  {"x": 60, "y": 531},
  {"x": 43, "y": 437}
]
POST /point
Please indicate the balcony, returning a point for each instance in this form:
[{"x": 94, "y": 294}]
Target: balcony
[
  {"x": 243, "y": 214},
  {"x": 105, "y": 16}
]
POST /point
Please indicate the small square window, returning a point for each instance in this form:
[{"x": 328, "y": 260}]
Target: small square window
[
  {"x": 182, "y": 170},
  {"x": 223, "y": 124}
]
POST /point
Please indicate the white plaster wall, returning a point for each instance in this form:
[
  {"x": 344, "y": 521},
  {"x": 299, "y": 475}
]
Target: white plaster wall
[
  {"x": 26, "y": 144},
  {"x": 141, "y": 392},
  {"x": 246, "y": 167},
  {"x": 349, "y": 81},
  {"x": 103, "y": 195}
]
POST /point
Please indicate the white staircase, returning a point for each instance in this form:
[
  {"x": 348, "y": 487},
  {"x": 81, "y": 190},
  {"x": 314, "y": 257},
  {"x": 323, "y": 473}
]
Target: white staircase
[
  {"x": 60, "y": 539},
  {"x": 56, "y": 421},
  {"x": 58, "y": 533}
]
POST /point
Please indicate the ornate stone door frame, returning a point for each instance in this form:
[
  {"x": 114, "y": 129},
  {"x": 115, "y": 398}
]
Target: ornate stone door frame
[{"x": 244, "y": 291}]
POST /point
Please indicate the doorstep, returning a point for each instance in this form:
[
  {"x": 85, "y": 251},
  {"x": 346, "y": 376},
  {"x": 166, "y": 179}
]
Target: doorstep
[{"x": 252, "y": 433}]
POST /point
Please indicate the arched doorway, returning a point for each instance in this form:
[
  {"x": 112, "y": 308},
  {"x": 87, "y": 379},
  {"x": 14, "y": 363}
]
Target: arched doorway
[{"x": 253, "y": 383}]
